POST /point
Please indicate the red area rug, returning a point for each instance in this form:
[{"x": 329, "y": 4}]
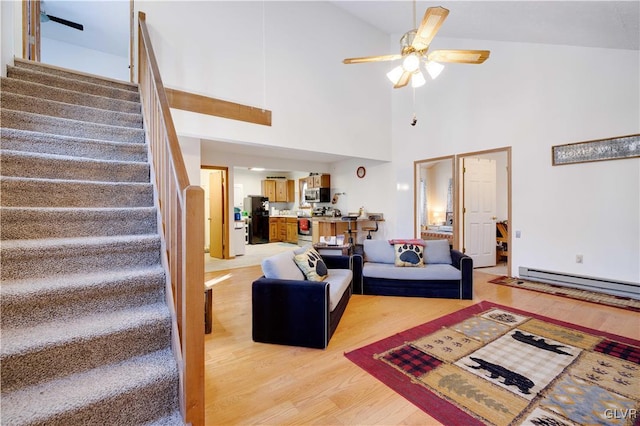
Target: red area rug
[
  {"x": 492, "y": 364},
  {"x": 572, "y": 293}
]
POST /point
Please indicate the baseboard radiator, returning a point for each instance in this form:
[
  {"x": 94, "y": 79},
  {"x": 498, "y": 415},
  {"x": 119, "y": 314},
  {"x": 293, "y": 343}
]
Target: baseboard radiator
[{"x": 602, "y": 285}]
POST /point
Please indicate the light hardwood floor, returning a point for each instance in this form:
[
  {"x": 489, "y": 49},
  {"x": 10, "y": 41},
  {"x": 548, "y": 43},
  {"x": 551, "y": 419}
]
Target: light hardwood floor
[{"x": 256, "y": 383}]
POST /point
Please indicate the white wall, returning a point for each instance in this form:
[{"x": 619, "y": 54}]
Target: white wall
[
  {"x": 317, "y": 103},
  {"x": 59, "y": 53},
  {"x": 527, "y": 96},
  {"x": 531, "y": 97},
  {"x": 11, "y": 33}
]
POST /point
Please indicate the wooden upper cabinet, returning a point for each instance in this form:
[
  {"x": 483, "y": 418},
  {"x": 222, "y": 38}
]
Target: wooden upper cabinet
[
  {"x": 279, "y": 190},
  {"x": 269, "y": 189},
  {"x": 319, "y": 181},
  {"x": 291, "y": 191}
]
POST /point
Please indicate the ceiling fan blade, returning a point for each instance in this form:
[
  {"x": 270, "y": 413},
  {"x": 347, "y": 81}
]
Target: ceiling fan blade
[
  {"x": 364, "y": 59},
  {"x": 459, "y": 56},
  {"x": 67, "y": 23},
  {"x": 404, "y": 80},
  {"x": 431, "y": 22}
]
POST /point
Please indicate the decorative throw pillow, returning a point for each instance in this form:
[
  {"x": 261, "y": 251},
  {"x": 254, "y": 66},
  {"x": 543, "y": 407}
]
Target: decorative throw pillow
[
  {"x": 311, "y": 264},
  {"x": 409, "y": 254}
]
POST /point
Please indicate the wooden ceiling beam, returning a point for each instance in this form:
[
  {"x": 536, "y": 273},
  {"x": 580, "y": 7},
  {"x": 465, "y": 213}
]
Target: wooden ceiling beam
[{"x": 217, "y": 107}]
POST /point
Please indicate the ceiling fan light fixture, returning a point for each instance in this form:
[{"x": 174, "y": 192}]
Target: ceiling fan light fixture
[
  {"x": 417, "y": 79},
  {"x": 434, "y": 69},
  {"x": 411, "y": 63},
  {"x": 395, "y": 74}
]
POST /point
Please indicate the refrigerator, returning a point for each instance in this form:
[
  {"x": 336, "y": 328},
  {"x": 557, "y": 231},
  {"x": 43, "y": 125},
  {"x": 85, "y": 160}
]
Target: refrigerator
[{"x": 257, "y": 208}]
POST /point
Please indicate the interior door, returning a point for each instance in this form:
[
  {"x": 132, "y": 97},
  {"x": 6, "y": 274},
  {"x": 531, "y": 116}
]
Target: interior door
[
  {"x": 480, "y": 211},
  {"x": 216, "y": 214}
]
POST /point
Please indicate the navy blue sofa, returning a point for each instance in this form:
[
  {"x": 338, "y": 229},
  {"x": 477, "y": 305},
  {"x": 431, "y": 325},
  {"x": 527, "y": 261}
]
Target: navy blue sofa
[
  {"x": 299, "y": 312},
  {"x": 448, "y": 273}
]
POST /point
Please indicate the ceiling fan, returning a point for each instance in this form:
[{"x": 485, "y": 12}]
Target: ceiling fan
[
  {"x": 46, "y": 18},
  {"x": 415, "y": 49}
]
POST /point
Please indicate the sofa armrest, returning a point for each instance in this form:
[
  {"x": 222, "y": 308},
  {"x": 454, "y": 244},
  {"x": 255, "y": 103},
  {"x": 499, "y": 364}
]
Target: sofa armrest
[
  {"x": 337, "y": 262},
  {"x": 465, "y": 264},
  {"x": 291, "y": 312},
  {"x": 357, "y": 263}
]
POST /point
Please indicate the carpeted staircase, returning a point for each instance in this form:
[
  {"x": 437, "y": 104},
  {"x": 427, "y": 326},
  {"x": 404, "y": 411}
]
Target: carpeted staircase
[{"x": 85, "y": 330}]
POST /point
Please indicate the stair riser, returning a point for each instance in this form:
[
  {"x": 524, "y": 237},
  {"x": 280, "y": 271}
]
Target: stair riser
[
  {"x": 34, "y": 224},
  {"x": 38, "y": 263},
  {"x": 28, "y": 88},
  {"x": 74, "y": 357},
  {"x": 43, "y": 193},
  {"x": 70, "y": 84},
  {"x": 65, "y": 127},
  {"x": 75, "y": 112},
  {"x": 39, "y": 67},
  {"x": 31, "y": 309},
  {"x": 138, "y": 407},
  {"x": 44, "y": 167},
  {"x": 22, "y": 140}
]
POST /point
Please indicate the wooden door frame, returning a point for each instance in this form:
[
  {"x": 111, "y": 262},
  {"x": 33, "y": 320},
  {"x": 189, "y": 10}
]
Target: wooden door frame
[
  {"x": 225, "y": 211},
  {"x": 459, "y": 190},
  {"x": 31, "y": 30},
  {"x": 416, "y": 218}
]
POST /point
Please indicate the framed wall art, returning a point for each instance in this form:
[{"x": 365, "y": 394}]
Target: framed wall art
[{"x": 616, "y": 148}]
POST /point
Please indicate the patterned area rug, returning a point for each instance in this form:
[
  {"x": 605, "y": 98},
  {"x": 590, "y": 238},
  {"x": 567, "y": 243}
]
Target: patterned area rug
[
  {"x": 492, "y": 364},
  {"x": 573, "y": 293}
]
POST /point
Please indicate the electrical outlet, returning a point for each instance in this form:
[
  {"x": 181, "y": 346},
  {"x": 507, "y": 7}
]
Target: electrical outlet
[{"x": 578, "y": 258}]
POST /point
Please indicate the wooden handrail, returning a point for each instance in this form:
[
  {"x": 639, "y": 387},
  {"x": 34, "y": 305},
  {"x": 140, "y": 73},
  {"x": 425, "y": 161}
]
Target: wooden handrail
[{"x": 182, "y": 216}]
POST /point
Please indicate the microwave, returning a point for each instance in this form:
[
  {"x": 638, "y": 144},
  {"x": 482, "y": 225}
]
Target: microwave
[{"x": 317, "y": 195}]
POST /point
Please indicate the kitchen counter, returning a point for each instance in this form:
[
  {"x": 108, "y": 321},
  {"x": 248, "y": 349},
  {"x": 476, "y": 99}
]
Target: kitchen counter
[
  {"x": 330, "y": 226},
  {"x": 284, "y": 215}
]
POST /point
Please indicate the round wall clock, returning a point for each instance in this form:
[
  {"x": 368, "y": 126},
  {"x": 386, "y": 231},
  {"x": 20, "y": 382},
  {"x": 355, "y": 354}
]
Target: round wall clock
[{"x": 361, "y": 172}]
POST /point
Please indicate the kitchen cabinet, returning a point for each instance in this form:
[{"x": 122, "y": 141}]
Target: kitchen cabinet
[
  {"x": 319, "y": 181},
  {"x": 292, "y": 230},
  {"x": 279, "y": 190},
  {"x": 269, "y": 189},
  {"x": 273, "y": 230},
  {"x": 283, "y": 229}
]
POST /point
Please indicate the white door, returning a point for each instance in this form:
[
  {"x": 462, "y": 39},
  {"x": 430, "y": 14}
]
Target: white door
[{"x": 480, "y": 211}]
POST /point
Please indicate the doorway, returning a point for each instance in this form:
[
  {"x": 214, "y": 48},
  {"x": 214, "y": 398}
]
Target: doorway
[
  {"x": 484, "y": 200},
  {"x": 215, "y": 180},
  {"x": 435, "y": 200},
  {"x": 91, "y": 37}
]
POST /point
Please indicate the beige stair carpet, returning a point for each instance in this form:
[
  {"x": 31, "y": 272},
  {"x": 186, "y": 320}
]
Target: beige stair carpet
[{"x": 85, "y": 329}]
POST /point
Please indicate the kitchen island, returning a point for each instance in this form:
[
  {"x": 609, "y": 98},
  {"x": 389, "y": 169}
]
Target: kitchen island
[{"x": 334, "y": 226}]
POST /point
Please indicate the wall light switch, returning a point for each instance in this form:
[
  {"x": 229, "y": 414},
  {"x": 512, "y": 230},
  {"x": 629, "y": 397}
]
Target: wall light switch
[{"x": 517, "y": 234}]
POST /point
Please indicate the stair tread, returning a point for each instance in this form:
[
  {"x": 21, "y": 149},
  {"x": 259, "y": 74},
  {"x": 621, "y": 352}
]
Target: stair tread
[
  {"x": 12, "y": 289},
  {"x": 98, "y": 131},
  {"x": 67, "y": 243},
  {"x": 56, "y": 70},
  {"x": 16, "y": 341},
  {"x": 46, "y": 106},
  {"x": 48, "y": 143},
  {"x": 86, "y": 388},
  {"x": 73, "y": 97},
  {"x": 71, "y": 158},
  {"x": 67, "y": 83},
  {"x": 72, "y": 182}
]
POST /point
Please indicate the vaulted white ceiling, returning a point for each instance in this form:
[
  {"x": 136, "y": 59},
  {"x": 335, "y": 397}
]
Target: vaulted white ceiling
[{"x": 608, "y": 24}]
